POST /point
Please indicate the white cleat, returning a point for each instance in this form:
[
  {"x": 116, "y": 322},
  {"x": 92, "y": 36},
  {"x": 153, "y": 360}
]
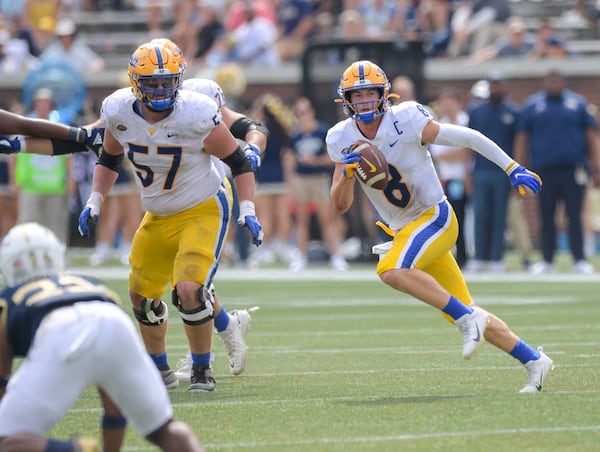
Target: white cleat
[
  {"x": 183, "y": 369},
  {"x": 234, "y": 339},
  {"x": 472, "y": 326},
  {"x": 537, "y": 372}
]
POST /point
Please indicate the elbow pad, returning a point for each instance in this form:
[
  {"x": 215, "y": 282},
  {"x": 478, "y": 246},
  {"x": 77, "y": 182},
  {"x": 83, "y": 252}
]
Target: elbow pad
[
  {"x": 112, "y": 162},
  {"x": 240, "y": 128},
  {"x": 453, "y": 135},
  {"x": 238, "y": 162}
]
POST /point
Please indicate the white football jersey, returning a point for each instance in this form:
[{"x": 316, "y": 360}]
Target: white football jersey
[
  {"x": 172, "y": 170},
  {"x": 413, "y": 186}
]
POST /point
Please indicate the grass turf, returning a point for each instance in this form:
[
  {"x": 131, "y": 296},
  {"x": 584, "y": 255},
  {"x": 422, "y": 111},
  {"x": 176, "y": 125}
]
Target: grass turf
[{"x": 352, "y": 365}]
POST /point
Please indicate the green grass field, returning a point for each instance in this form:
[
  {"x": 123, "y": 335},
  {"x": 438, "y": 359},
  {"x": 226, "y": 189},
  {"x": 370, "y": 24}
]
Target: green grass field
[{"x": 342, "y": 362}]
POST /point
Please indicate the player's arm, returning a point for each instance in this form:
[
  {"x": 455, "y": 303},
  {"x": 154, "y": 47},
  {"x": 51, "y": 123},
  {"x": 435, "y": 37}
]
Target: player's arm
[
  {"x": 106, "y": 172},
  {"x": 6, "y": 354},
  {"x": 342, "y": 189},
  {"x": 453, "y": 135},
  {"x": 113, "y": 424},
  {"x": 254, "y": 133},
  {"x": 221, "y": 143}
]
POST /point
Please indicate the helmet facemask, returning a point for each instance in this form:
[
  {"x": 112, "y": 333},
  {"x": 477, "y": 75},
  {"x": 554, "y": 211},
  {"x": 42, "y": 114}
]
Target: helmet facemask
[
  {"x": 364, "y": 75},
  {"x": 155, "y": 73}
]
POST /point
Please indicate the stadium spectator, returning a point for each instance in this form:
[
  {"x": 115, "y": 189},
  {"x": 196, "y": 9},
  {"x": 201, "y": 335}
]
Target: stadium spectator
[
  {"x": 70, "y": 328},
  {"x": 69, "y": 48},
  {"x": 311, "y": 182},
  {"x": 557, "y": 135},
  {"x": 516, "y": 43},
  {"x": 252, "y": 43},
  {"x": 549, "y": 43},
  {"x": 41, "y": 15},
  {"x": 296, "y": 23},
  {"x": 452, "y": 166},
  {"x": 272, "y": 190},
  {"x": 210, "y": 31},
  {"x": 236, "y": 14},
  {"x": 434, "y": 19},
  {"x": 477, "y": 24},
  {"x": 14, "y": 55},
  {"x": 44, "y": 182},
  {"x": 417, "y": 260},
  {"x": 383, "y": 19},
  {"x": 496, "y": 117}
]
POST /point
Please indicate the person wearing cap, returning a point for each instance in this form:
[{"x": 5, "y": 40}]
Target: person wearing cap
[
  {"x": 67, "y": 46},
  {"x": 495, "y": 117},
  {"x": 516, "y": 43},
  {"x": 557, "y": 134},
  {"x": 44, "y": 182}
]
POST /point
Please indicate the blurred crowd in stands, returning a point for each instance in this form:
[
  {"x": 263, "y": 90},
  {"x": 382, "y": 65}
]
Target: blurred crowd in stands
[{"x": 42, "y": 39}]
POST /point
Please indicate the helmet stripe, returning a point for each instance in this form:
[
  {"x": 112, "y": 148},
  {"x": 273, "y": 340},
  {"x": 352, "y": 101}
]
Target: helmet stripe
[
  {"x": 361, "y": 71},
  {"x": 159, "y": 58}
]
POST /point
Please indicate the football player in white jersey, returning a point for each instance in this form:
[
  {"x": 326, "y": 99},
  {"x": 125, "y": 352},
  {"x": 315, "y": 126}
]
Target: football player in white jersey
[
  {"x": 169, "y": 136},
  {"x": 418, "y": 260},
  {"x": 72, "y": 330}
]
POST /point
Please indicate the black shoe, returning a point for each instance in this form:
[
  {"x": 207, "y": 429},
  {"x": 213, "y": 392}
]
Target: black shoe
[{"x": 202, "y": 379}]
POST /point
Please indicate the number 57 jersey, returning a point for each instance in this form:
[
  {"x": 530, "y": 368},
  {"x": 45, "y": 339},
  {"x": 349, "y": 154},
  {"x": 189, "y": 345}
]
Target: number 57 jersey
[
  {"x": 413, "y": 186},
  {"x": 173, "y": 172}
]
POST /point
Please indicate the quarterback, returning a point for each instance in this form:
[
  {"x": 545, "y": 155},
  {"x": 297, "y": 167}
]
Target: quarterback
[
  {"x": 418, "y": 261},
  {"x": 169, "y": 136}
]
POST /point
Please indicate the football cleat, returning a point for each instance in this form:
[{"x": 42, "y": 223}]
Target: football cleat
[
  {"x": 202, "y": 379},
  {"x": 234, "y": 338},
  {"x": 183, "y": 369},
  {"x": 537, "y": 372},
  {"x": 472, "y": 326},
  {"x": 169, "y": 378},
  {"x": 361, "y": 75}
]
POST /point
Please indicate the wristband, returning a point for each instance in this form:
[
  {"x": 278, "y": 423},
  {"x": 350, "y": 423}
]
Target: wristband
[
  {"x": 3, "y": 382},
  {"x": 77, "y": 135},
  {"x": 113, "y": 422},
  {"x": 247, "y": 209}
]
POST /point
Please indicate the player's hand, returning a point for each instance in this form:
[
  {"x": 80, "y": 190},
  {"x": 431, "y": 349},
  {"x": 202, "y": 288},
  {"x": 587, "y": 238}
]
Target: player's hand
[
  {"x": 525, "y": 180},
  {"x": 248, "y": 219},
  {"x": 253, "y": 154},
  {"x": 351, "y": 159},
  {"x": 9, "y": 145},
  {"x": 90, "y": 213},
  {"x": 94, "y": 139}
]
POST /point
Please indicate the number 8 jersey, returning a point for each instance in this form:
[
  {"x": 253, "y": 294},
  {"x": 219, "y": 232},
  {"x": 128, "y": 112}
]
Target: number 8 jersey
[{"x": 413, "y": 186}]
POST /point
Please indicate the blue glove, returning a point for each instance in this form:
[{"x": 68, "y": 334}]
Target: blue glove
[
  {"x": 9, "y": 145},
  {"x": 248, "y": 218},
  {"x": 90, "y": 213},
  {"x": 256, "y": 231},
  {"x": 525, "y": 180},
  {"x": 95, "y": 139},
  {"x": 350, "y": 162},
  {"x": 253, "y": 154}
]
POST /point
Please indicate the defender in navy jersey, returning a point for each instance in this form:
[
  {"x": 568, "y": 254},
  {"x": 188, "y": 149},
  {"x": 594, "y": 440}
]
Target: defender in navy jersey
[{"x": 72, "y": 334}]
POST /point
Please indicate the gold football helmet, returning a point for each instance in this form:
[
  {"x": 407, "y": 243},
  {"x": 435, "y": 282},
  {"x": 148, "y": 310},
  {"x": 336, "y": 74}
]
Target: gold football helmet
[
  {"x": 155, "y": 74},
  {"x": 174, "y": 48},
  {"x": 361, "y": 75}
]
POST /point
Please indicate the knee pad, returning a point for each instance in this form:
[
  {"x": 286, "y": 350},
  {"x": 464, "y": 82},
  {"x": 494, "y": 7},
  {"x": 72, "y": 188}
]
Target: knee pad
[
  {"x": 150, "y": 315},
  {"x": 203, "y": 313}
]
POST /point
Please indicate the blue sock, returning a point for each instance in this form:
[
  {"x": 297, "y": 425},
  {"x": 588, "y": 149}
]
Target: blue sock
[
  {"x": 222, "y": 320},
  {"x": 160, "y": 360},
  {"x": 524, "y": 352},
  {"x": 56, "y": 445},
  {"x": 456, "y": 309},
  {"x": 202, "y": 359}
]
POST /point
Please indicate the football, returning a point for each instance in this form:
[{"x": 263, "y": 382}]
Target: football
[{"x": 372, "y": 169}]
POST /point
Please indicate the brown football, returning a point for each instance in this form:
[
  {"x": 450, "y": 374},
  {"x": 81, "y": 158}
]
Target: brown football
[{"x": 372, "y": 168}]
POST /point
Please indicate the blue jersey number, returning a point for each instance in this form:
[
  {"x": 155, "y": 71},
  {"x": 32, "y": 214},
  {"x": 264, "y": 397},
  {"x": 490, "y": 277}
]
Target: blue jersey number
[
  {"x": 146, "y": 174},
  {"x": 397, "y": 192}
]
